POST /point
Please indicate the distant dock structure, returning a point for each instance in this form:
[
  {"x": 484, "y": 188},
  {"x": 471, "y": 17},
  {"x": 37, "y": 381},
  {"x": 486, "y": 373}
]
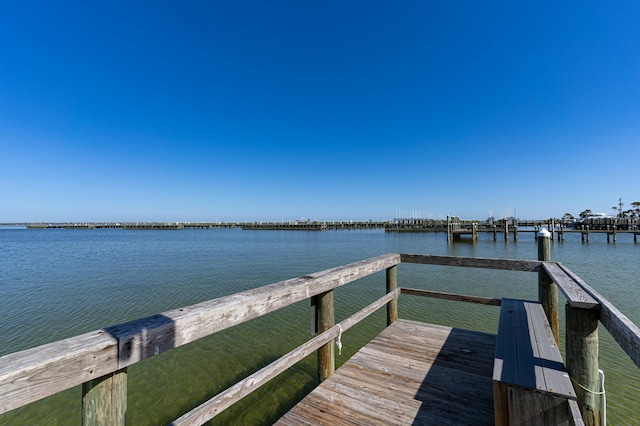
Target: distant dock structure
[{"x": 455, "y": 228}]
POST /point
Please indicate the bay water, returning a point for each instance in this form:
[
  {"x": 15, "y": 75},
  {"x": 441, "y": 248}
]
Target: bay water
[{"x": 56, "y": 284}]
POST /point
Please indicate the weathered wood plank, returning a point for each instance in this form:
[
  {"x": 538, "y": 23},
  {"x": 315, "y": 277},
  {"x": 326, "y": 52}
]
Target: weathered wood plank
[
  {"x": 104, "y": 400},
  {"x": 623, "y": 330},
  {"x": 380, "y": 386},
  {"x": 473, "y": 262},
  {"x": 147, "y": 337},
  {"x": 452, "y": 296},
  {"x": 36, "y": 373},
  {"x": 33, "y": 374},
  {"x": 547, "y": 355},
  {"x": 576, "y": 296},
  {"x": 526, "y": 353},
  {"x": 230, "y": 396}
]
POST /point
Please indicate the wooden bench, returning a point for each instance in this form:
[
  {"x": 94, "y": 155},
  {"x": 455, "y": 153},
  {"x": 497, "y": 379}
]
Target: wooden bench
[{"x": 530, "y": 382}]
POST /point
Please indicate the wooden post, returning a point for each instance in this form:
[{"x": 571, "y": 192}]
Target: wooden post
[
  {"x": 582, "y": 361},
  {"x": 449, "y": 225},
  {"x": 547, "y": 289},
  {"x": 494, "y": 232},
  {"x": 104, "y": 400},
  {"x": 587, "y": 233},
  {"x": 515, "y": 233},
  {"x": 392, "y": 284},
  {"x": 506, "y": 230},
  {"x": 325, "y": 320},
  {"x": 614, "y": 234}
]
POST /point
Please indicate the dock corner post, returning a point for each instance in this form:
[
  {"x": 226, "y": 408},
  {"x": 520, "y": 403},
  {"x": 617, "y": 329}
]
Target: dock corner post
[
  {"x": 392, "y": 284},
  {"x": 582, "y": 361},
  {"x": 104, "y": 400},
  {"x": 325, "y": 320},
  {"x": 547, "y": 289}
]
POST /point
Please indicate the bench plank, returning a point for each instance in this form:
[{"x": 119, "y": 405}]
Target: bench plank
[
  {"x": 526, "y": 353},
  {"x": 548, "y": 360}
]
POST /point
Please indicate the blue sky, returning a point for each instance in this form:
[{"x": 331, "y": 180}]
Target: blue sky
[{"x": 219, "y": 110}]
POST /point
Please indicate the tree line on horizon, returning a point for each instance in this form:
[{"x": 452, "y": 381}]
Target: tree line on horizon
[{"x": 632, "y": 214}]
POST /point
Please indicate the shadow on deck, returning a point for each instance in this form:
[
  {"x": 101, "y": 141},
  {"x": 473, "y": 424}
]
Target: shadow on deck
[{"x": 411, "y": 374}]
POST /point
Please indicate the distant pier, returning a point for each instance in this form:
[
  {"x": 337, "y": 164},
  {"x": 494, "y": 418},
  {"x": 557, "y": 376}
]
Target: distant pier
[{"x": 454, "y": 227}]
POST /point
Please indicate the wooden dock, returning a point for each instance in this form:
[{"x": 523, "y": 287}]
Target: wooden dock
[{"x": 411, "y": 374}]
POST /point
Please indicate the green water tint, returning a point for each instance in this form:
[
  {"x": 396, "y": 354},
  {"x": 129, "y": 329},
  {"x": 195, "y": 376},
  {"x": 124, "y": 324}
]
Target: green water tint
[{"x": 166, "y": 270}]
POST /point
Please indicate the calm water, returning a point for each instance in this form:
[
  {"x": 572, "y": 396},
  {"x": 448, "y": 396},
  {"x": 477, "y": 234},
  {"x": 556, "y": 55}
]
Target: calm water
[{"x": 59, "y": 283}]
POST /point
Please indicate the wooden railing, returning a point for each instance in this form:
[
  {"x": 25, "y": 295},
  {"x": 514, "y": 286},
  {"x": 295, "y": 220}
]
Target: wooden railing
[{"x": 99, "y": 360}]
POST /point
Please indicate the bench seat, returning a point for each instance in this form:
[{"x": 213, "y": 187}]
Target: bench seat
[{"x": 530, "y": 382}]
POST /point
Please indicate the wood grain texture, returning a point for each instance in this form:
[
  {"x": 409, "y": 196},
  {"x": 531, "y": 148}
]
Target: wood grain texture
[
  {"x": 473, "y": 262},
  {"x": 226, "y": 398},
  {"x": 622, "y": 329},
  {"x": 452, "y": 296},
  {"x": 576, "y": 296},
  {"x": 526, "y": 353},
  {"x": 36, "y": 373},
  {"x": 33, "y": 374},
  {"x": 412, "y": 373}
]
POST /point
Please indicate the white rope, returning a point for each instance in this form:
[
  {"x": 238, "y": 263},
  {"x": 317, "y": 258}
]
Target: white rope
[
  {"x": 588, "y": 390},
  {"x": 339, "y": 340}
]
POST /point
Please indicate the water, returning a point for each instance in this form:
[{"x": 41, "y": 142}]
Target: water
[{"x": 56, "y": 284}]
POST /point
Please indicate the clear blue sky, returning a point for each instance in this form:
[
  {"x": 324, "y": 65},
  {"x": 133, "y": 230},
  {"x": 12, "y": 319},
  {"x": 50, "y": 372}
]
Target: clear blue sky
[{"x": 271, "y": 110}]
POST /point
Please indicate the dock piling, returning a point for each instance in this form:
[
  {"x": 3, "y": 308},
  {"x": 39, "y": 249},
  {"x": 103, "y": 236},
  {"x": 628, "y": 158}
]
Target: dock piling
[
  {"x": 582, "y": 361},
  {"x": 325, "y": 320},
  {"x": 547, "y": 289},
  {"x": 104, "y": 400},
  {"x": 392, "y": 284}
]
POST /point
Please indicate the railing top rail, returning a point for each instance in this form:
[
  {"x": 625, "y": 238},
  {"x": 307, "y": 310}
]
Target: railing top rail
[
  {"x": 35, "y": 373},
  {"x": 621, "y": 328},
  {"x": 474, "y": 262},
  {"x": 575, "y": 294}
]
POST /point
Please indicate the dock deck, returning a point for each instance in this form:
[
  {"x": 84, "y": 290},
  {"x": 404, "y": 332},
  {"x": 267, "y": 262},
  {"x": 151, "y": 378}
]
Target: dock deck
[{"x": 411, "y": 374}]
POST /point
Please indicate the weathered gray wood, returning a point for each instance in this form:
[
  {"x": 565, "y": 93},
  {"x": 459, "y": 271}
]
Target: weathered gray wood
[
  {"x": 621, "y": 328},
  {"x": 150, "y": 336},
  {"x": 582, "y": 361},
  {"x": 32, "y": 374},
  {"x": 104, "y": 400},
  {"x": 529, "y": 354},
  {"x": 326, "y": 320},
  {"x": 42, "y": 371},
  {"x": 230, "y": 396},
  {"x": 576, "y": 415},
  {"x": 576, "y": 296},
  {"x": 392, "y": 284},
  {"x": 473, "y": 262},
  {"x": 452, "y": 296},
  {"x": 547, "y": 289},
  {"x": 547, "y": 358},
  {"x": 531, "y": 385},
  {"x": 390, "y": 383}
]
